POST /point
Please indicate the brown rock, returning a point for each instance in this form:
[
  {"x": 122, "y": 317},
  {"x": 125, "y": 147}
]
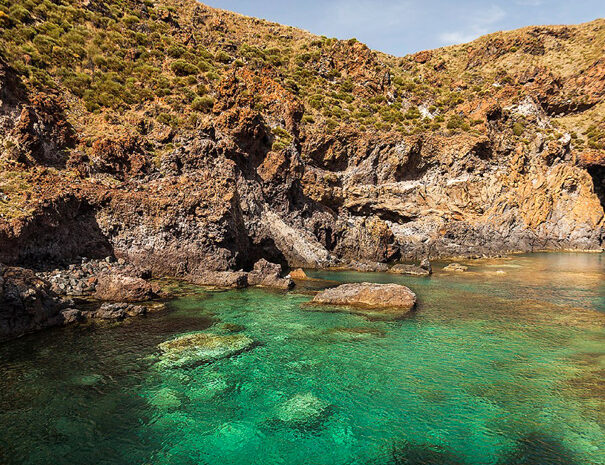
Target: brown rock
[
  {"x": 124, "y": 289},
  {"x": 412, "y": 270},
  {"x": 117, "y": 311},
  {"x": 365, "y": 267},
  {"x": 375, "y": 300},
  {"x": 229, "y": 279},
  {"x": 455, "y": 267},
  {"x": 267, "y": 274},
  {"x": 298, "y": 273},
  {"x": 27, "y": 303}
]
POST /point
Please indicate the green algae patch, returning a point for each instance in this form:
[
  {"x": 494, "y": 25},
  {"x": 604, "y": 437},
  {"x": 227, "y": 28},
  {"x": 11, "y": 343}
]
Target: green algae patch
[{"x": 199, "y": 348}]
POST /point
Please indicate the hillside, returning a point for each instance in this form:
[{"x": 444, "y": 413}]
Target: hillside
[{"x": 182, "y": 138}]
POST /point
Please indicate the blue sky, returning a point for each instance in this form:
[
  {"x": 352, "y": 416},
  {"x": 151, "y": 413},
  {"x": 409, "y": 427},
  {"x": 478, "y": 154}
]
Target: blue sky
[{"x": 406, "y": 26}]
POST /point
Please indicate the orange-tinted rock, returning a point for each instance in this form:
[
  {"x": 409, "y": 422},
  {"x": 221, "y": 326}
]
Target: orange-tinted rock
[
  {"x": 298, "y": 273},
  {"x": 384, "y": 300}
]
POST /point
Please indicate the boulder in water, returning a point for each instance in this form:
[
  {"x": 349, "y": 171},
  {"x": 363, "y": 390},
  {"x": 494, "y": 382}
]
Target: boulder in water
[
  {"x": 377, "y": 300},
  {"x": 369, "y": 267}
]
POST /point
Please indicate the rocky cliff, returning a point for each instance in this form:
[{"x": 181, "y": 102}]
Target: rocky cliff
[{"x": 185, "y": 139}]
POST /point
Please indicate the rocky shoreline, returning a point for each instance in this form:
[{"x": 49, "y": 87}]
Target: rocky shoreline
[{"x": 112, "y": 289}]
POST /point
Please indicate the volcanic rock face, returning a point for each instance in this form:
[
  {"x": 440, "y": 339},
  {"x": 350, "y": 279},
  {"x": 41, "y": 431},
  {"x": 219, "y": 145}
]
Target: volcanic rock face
[{"x": 322, "y": 153}]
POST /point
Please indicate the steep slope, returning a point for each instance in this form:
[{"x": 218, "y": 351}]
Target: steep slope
[{"x": 186, "y": 138}]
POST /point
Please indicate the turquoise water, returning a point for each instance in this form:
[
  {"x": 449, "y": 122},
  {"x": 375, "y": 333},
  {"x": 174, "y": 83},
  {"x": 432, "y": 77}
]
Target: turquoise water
[{"x": 503, "y": 364}]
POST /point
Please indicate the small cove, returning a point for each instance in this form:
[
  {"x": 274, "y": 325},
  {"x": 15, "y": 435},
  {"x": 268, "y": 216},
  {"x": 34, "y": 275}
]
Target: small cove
[{"x": 502, "y": 364}]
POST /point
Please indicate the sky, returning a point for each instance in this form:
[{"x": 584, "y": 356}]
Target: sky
[{"x": 400, "y": 27}]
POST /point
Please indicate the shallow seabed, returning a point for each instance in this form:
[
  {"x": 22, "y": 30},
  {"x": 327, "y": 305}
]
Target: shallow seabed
[{"x": 503, "y": 364}]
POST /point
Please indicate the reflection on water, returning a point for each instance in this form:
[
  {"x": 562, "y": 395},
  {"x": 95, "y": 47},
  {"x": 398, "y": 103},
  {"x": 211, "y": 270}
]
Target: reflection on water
[{"x": 503, "y": 364}]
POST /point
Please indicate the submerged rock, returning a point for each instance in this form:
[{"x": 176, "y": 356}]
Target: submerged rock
[
  {"x": 210, "y": 386},
  {"x": 198, "y": 348},
  {"x": 231, "y": 327},
  {"x": 166, "y": 399},
  {"x": 117, "y": 311},
  {"x": 303, "y": 410},
  {"x": 381, "y": 300},
  {"x": 353, "y": 334},
  {"x": 87, "y": 380},
  {"x": 455, "y": 267}
]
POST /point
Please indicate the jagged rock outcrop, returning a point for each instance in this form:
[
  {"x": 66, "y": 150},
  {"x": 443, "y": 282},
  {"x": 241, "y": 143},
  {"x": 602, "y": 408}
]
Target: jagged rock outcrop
[
  {"x": 267, "y": 274},
  {"x": 27, "y": 303}
]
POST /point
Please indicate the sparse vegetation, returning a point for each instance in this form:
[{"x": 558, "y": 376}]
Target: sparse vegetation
[{"x": 282, "y": 139}]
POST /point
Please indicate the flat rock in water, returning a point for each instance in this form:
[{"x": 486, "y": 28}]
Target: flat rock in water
[
  {"x": 377, "y": 300},
  {"x": 455, "y": 267},
  {"x": 369, "y": 267},
  {"x": 412, "y": 270},
  {"x": 198, "y": 348}
]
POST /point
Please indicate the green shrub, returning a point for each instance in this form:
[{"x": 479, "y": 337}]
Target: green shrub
[
  {"x": 518, "y": 128},
  {"x": 176, "y": 51},
  {"x": 282, "y": 139},
  {"x": 19, "y": 13},
  {"x": 457, "y": 122},
  {"x": 412, "y": 113},
  {"x": 222, "y": 57},
  {"x": 203, "y": 104},
  {"x": 183, "y": 68}
]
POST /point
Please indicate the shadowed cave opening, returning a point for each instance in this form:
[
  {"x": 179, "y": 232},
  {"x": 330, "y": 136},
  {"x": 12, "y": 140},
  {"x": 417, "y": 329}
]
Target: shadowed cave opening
[{"x": 598, "y": 179}]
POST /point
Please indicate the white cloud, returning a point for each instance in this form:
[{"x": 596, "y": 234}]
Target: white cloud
[
  {"x": 459, "y": 37},
  {"x": 478, "y": 23},
  {"x": 366, "y": 15}
]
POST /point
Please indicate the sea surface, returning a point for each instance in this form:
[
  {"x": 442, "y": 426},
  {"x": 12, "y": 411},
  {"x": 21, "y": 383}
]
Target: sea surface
[{"x": 503, "y": 364}]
